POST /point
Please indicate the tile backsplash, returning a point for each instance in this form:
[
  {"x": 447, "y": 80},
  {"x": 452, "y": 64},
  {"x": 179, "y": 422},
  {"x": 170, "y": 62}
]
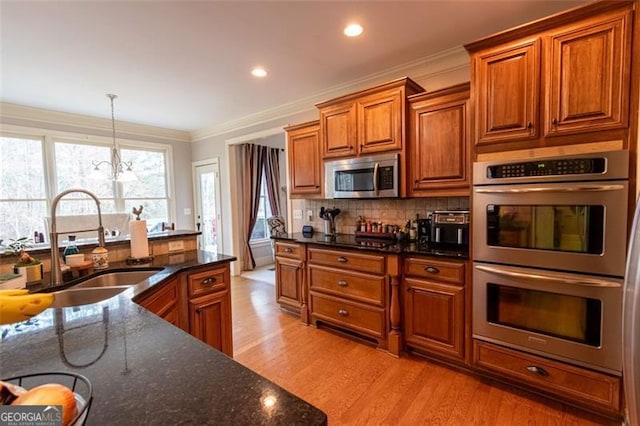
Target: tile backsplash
[{"x": 390, "y": 211}]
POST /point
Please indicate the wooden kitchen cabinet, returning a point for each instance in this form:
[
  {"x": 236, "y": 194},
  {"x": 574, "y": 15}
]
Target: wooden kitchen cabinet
[
  {"x": 434, "y": 307},
  {"x": 589, "y": 389},
  {"x": 164, "y": 302},
  {"x": 209, "y": 307},
  {"x": 439, "y": 148},
  {"x": 366, "y": 122},
  {"x": 290, "y": 278},
  {"x": 507, "y": 89},
  {"x": 549, "y": 82},
  {"x": 305, "y": 164},
  {"x": 587, "y": 65},
  {"x": 348, "y": 289}
]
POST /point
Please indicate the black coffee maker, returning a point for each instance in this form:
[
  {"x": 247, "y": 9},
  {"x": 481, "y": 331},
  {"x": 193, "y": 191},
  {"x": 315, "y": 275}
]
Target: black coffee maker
[
  {"x": 450, "y": 228},
  {"x": 424, "y": 231}
]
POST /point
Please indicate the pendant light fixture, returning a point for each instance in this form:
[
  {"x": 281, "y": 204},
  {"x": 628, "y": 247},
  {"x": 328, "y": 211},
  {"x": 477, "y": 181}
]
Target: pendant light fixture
[{"x": 120, "y": 171}]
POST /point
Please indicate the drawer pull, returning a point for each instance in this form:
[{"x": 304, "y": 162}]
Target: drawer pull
[
  {"x": 537, "y": 370},
  {"x": 288, "y": 250},
  {"x": 432, "y": 269},
  {"x": 343, "y": 312},
  {"x": 342, "y": 259},
  {"x": 343, "y": 283},
  {"x": 208, "y": 281}
]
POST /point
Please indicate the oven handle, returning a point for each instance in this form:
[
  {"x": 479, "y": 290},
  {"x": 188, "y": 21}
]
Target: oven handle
[
  {"x": 590, "y": 282},
  {"x": 375, "y": 178},
  {"x": 594, "y": 188}
]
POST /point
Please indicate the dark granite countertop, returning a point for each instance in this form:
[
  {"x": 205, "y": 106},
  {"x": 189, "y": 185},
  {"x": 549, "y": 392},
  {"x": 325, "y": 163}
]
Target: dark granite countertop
[
  {"x": 380, "y": 245},
  {"x": 143, "y": 369}
]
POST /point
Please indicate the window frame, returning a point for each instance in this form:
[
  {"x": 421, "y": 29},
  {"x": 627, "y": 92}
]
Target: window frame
[
  {"x": 267, "y": 214},
  {"x": 50, "y": 137}
]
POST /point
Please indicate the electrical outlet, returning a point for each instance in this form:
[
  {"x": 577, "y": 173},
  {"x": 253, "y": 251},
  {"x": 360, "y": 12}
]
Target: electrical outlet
[
  {"x": 309, "y": 215},
  {"x": 297, "y": 214},
  {"x": 176, "y": 245}
]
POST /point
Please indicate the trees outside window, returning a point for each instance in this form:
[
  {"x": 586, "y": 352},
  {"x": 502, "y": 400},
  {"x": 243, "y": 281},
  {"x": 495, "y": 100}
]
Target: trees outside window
[{"x": 34, "y": 170}]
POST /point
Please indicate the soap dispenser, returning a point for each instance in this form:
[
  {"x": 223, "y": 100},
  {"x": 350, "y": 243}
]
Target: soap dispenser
[{"x": 71, "y": 248}]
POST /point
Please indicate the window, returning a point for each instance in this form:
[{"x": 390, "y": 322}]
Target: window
[
  {"x": 34, "y": 170},
  {"x": 23, "y": 196},
  {"x": 261, "y": 229}
]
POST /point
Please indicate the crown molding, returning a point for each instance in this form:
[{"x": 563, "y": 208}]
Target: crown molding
[
  {"x": 43, "y": 118},
  {"x": 422, "y": 69}
]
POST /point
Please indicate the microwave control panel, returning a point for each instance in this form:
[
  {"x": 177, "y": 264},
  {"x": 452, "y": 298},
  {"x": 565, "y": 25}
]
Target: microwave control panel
[
  {"x": 555, "y": 167},
  {"x": 385, "y": 177}
]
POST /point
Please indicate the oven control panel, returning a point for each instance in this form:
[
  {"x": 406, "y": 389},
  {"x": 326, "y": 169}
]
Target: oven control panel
[{"x": 552, "y": 167}]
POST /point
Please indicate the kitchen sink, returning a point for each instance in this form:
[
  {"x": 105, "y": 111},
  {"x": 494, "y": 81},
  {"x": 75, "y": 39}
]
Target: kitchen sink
[
  {"x": 84, "y": 296},
  {"x": 117, "y": 278}
]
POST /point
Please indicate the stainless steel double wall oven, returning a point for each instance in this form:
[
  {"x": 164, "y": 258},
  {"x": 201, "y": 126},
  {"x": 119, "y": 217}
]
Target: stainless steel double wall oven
[{"x": 549, "y": 256}]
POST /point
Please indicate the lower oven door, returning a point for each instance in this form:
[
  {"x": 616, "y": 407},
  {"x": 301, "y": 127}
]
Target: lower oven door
[{"x": 569, "y": 317}]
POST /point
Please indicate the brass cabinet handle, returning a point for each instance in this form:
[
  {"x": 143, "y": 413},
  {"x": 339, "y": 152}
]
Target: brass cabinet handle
[
  {"x": 288, "y": 250},
  {"x": 208, "y": 281},
  {"x": 343, "y": 312},
  {"x": 537, "y": 370},
  {"x": 197, "y": 310},
  {"x": 342, "y": 259},
  {"x": 432, "y": 269},
  {"x": 342, "y": 283},
  {"x": 554, "y": 121},
  {"x": 529, "y": 125}
]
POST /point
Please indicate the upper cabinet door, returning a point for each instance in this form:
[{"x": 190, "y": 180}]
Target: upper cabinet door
[
  {"x": 338, "y": 124},
  {"x": 305, "y": 165},
  {"x": 507, "y": 86},
  {"x": 439, "y": 143},
  {"x": 587, "y": 67},
  {"x": 379, "y": 122}
]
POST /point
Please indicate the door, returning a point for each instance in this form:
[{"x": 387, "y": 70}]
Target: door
[
  {"x": 507, "y": 82},
  {"x": 207, "y": 318},
  {"x": 207, "y": 201},
  {"x": 338, "y": 130},
  {"x": 379, "y": 126},
  {"x": 587, "y": 69}
]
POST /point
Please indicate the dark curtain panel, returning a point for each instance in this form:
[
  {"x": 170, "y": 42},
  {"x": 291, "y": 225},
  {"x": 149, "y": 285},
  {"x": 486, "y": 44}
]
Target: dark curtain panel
[
  {"x": 253, "y": 164},
  {"x": 272, "y": 179}
]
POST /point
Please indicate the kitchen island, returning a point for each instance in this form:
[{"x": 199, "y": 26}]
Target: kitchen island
[{"x": 143, "y": 369}]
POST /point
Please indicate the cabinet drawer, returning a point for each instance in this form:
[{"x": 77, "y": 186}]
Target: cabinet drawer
[
  {"x": 578, "y": 385},
  {"x": 371, "y": 263},
  {"x": 162, "y": 300},
  {"x": 362, "y": 287},
  {"x": 290, "y": 250},
  {"x": 357, "y": 317},
  {"x": 438, "y": 270},
  {"x": 204, "y": 282}
]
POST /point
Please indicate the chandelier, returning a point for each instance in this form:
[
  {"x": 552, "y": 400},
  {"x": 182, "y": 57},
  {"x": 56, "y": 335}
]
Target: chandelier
[{"x": 118, "y": 170}]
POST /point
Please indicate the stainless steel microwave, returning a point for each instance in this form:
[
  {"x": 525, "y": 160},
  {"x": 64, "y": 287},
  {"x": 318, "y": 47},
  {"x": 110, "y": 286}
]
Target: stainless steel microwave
[{"x": 363, "y": 177}]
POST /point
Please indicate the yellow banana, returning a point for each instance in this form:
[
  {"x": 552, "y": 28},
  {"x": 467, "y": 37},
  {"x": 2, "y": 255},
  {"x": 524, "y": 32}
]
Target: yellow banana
[
  {"x": 21, "y": 307},
  {"x": 13, "y": 292}
]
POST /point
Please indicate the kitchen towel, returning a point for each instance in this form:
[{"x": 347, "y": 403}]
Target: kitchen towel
[{"x": 139, "y": 241}]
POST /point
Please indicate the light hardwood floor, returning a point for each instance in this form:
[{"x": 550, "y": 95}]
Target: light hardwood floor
[{"x": 354, "y": 383}]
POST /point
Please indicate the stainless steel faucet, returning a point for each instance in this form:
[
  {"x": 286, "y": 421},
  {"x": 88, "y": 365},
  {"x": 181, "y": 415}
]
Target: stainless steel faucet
[{"x": 56, "y": 272}]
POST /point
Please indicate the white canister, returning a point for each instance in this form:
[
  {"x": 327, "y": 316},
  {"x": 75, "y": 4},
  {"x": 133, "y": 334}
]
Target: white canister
[{"x": 100, "y": 257}]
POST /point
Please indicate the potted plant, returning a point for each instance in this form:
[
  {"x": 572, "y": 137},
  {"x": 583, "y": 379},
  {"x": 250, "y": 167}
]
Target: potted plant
[{"x": 27, "y": 266}]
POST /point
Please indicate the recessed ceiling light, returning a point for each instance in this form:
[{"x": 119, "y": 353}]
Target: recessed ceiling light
[
  {"x": 353, "y": 30},
  {"x": 259, "y": 72}
]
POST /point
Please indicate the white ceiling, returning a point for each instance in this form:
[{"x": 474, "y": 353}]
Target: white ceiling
[{"x": 185, "y": 65}]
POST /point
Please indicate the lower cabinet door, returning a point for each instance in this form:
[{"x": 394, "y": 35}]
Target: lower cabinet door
[
  {"x": 210, "y": 320},
  {"x": 434, "y": 317},
  {"x": 289, "y": 278}
]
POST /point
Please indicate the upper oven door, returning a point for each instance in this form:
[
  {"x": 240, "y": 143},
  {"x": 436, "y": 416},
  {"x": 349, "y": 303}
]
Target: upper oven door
[{"x": 569, "y": 226}]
